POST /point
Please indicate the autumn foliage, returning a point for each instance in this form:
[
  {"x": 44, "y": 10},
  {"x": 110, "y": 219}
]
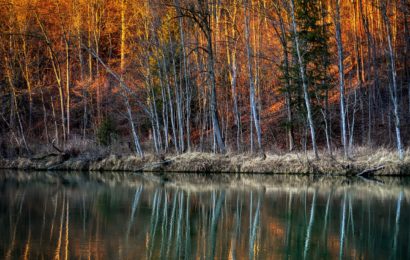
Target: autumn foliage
[{"x": 183, "y": 75}]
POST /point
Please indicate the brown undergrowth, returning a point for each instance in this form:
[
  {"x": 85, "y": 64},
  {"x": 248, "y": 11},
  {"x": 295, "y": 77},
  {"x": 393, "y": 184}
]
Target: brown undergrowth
[{"x": 363, "y": 160}]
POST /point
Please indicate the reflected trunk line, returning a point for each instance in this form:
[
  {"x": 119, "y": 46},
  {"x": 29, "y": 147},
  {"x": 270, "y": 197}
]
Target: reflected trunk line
[
  {"x": 305, "y": 205},
  {"x": 205, "y": 224},
  {"x": 27, "y": 247},
  {"x": 342, "y": 227},
  {"x": 363, "y": 231},
  {"x": 327, "y": 213},
  {"x": 43, "y": 224},
  {"x": 351, "y": 218},
  {"x": 213, "y": 199},
  {"x": 250, "y": 213},
  {"x": 89, "y": 250},
  {"x": 67, "y": 225},
  {"x": 214, "y": 224},
  {"x": 309, "y": 228},
  {"x": 134, "y": 206},
  {"x": 253, "y": 234},
  {"x": 164, "y": 225},
  {"x": 179, "y": 226},
  {"x": 10, "y": 249},
  {"x": 171, "y": 228},
  {"x": 83, "y": 212},
  {"x": 237, "y": 228},
  {"x": 368, "y": 224},
  {"x": 154, "y": 221},
  {"x": 97, "y": 236},
  {"x": 188, "y": 227},
  {"x": 57, "y": 251},
  {"x": 55, "y": 202},
  {"x": 202, "y": 239},
  {"x": 397, "y": 224},
  {"x": 288, "y": 237}
]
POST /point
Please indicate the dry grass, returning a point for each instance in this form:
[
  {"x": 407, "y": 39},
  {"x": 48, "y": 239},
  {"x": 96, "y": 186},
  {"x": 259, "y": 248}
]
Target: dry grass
[{"x": 361, "y": 159}]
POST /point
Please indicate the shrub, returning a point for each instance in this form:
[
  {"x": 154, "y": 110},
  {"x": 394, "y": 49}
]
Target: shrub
[{"x": 107, "y": 132}]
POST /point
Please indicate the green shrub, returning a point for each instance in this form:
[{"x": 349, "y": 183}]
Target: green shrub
[{"x": 107, "y": 132}]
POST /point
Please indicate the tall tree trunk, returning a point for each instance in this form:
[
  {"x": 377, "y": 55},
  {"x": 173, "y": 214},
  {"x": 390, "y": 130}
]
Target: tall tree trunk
[
  {"x": 44, "y": 116},
  {"x": 178, "y": 99},
  {"x": 67, "y": 85},
  {"x": 231, "y": 60},
  {"x": 171, "y": 106},
  {"x": 14, "y": 96},
  {"x": 304, "y": 83},
  {"x": 57, "y": 74},
  {"x": 137, "y": 145},
  {"x": 27, "y": 77},
  {"x": 359, "y": 68},
  {"x": 393, "y": 88},
  {"x": 124, "y": 91},
  {"x": 56, "y": 135},
  {"x": 213, "y": 101},
  {"x": 164, "y": 107},
  {"x": 249, "y": 53},
  {"x": 188, "y": 90},
  {"x": 341, "y": 77}
]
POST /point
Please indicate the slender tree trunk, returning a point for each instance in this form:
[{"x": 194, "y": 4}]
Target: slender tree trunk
[
  {"x": 26, "y": 75},
  {"x": 178, "y": 99},
  {"x": 164, "y": 106},
  {"x": 67, "y": 86},
  {"x": 57, "y": 74},
  {"x": 44, "y": 116},
  {"x": 188, "y": 89},
  {"x": 393, "y": 89},
  {"x": 56, "y": 135},
  {"x": 341, "y": 77},
  {"x": 231, "y": 60},
  {"x": 19, "y": 121},
  {"x": 352, "y": 124},
  {"x": 96, "y": 34},
  {"x": 125, "y": 90},
  {"x": 171, "y": 106},
  {"x": 288, "y": 98},
  {"x": 405, "y": 10},
  {"x": 133, "y": 130},
  {"x": 359, "y": 68},
  {"x": 156, "y": 121},
  {"x": 304, "y": 83},
  {"x": 249, "y": 52},
  {"x": 213, "y": 101}
]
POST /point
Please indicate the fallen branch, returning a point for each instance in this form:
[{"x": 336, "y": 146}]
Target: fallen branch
[
  {"x": 55, "y": 147},
  {"x": 370, "y": 171},
  {"x": 153, "y": 165},
  {"x": 44, "y": 156}
]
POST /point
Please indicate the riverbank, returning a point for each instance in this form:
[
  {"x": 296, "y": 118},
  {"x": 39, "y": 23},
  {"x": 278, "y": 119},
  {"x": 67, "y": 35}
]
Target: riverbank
[{"x": 365, "y": 162}]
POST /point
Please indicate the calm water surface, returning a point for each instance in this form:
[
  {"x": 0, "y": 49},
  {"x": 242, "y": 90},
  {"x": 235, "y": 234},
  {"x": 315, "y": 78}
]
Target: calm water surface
[{"x": 118, "y": 216}]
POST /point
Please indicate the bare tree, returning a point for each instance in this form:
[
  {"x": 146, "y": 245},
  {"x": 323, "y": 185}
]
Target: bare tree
[
  {"x": 338, "y": 31},
  {"x": 303, "y": 77},
  {"x": 201, "y": 15},
  {"x": 393, "y": 74},
  {"x": 249, "y": 53}
]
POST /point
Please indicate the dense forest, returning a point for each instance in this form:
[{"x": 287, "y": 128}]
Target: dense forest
[{"x": 173, "y": 76}]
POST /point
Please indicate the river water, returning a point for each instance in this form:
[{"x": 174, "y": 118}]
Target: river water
[{"x": 187, "y": 216}]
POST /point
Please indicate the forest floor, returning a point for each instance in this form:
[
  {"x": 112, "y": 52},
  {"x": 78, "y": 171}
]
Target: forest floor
[{"x": 363, "y": 162}]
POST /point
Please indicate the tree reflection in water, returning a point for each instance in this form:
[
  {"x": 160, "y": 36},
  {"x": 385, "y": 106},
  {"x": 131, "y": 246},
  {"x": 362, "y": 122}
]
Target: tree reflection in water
[{"x": 136, "y": 218}]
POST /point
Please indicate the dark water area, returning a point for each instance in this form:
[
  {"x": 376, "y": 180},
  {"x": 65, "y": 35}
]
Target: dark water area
[{"x": 130, "y": 216}]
